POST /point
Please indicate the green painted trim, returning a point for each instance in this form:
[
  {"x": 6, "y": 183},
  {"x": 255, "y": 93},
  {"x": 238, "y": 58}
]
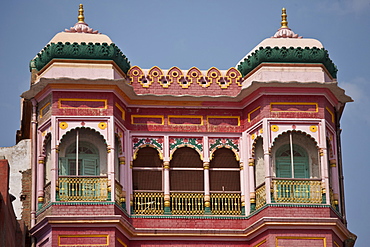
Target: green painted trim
[
  {"x": 287, "y": 55},
  {"x": 84, "y": 51},
  {"x": 234, "y": 217}
]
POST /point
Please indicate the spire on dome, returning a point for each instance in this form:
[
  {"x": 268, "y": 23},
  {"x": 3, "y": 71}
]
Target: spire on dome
[
  {"x": 284, "y": 22},
  {"x": 81, "y": 17},
  {"x": 284, "y": 31},
  {"x": 81, "y": 26}
]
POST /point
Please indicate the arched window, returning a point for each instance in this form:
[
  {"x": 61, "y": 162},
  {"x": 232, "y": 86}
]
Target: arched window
[
  {"x": 186, "y": 171},
  {"x": 147, "y": 170},
  {"x": 82, "y": 152},
  {"x": 224, "y": 171},
  {"x": 81, "y": 161},
  {"x": 292, "y": 163}
]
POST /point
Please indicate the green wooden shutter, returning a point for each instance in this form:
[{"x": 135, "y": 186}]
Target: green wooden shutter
[
  {"x": 283, "y": 167},
  {"x": 89, "y": 167},
  {"x": 301, "y": 167}
]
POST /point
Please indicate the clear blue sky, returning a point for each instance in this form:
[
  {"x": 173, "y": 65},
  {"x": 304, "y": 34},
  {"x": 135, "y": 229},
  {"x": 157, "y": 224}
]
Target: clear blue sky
[{"x": 201, "y": 33}]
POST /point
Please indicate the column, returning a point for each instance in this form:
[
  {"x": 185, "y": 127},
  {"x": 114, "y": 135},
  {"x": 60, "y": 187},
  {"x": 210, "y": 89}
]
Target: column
[
  {"x": 40, "y": 181},
  {"x": 122, "y": 162},
  {"x": 266, "y": 158},
  {"x": 111, "y": 159},
  {"x": 252, "y": 191},
  {"x": 335, "y": 182},
  {"x": 243, "y": 172},
  {"x": 166, "y": 175},
  {"x": 127, "y": 183},
  {"x": 33, "y": 161},
  {"x": 207, "y": 193},
  {"x": 324, "y": 164},
  {"x": 54, "y": 185}
]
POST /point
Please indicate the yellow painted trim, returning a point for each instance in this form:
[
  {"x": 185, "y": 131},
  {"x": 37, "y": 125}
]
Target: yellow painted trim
[
  {"x": 250, "y": 113},
  {"x": 122, "y": 111},
  {"x": 336, "y": 244},
  {"x": 237, "y": 158},
  {"x": 237, "y": 117},
  {"x": 92, "y": 100},
  {"x": 41, "y": 114},
  {"x": 185, "y": 116},
  {"x": 121, "y": 242},
  {"x": 260, "y": 243},
  {"x": 147, "y": 116},
  {"x": 121, "y": 93},
  {"x": 292, "y": 237},
  {"x": 331, "y": 114},
  {"x": 81, "y": 236},
  {"x": 294, "y": 103}
]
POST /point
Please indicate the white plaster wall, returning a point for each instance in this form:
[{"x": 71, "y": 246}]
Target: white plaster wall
[
  {"x": 19, "y": 158},
  {"x": 259, "y": 163}
]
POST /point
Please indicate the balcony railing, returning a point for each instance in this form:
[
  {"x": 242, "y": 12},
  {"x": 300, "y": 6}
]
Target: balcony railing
[
  {"x": 148, "y": 203},
  {"x": 297, "y": 191},
  {"x": 260, "y": 196},
  {"x": 83, "y": 189},
  {"x": 118, "y": 192},
  {"x": 226, "y": 203},
  {"x": 187, "y": 203}
]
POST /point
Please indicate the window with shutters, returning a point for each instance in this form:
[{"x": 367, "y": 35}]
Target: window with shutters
[
  {"x": 292, "y": 167},
  {"x": 83, "y": 161}
]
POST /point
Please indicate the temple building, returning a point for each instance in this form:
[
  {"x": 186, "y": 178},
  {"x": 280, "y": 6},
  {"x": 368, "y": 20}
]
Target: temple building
[{"x": 129, "y": 156}]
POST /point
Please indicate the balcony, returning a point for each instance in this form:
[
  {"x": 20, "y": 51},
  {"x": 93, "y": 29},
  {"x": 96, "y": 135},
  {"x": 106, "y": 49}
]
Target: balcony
[
  {"x": 303, "y": 191},
  {"x": 187, "y": 203},
  {"x": 83, "y": 188},
  {"x": 297, "y": 191}
]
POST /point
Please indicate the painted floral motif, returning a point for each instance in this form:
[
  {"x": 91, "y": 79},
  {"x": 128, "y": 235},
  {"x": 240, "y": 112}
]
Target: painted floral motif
[
  {"x": 221, "y": 142},
  {"x": 156, "y": 142},
  {"x": 195, "y": 142}
]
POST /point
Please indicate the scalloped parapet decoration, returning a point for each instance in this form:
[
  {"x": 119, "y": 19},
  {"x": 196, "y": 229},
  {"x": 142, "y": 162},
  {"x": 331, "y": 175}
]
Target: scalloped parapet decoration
[
  {"x": 176, "y": 76},
  {"x": 287, "y": 55},
  {"x": 89, "y": 51}
]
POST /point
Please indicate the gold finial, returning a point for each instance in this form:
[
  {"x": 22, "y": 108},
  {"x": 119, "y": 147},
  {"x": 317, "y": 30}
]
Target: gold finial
[
  {"x": 284, "y": 22},
  {"x": 81, "y": 17}
]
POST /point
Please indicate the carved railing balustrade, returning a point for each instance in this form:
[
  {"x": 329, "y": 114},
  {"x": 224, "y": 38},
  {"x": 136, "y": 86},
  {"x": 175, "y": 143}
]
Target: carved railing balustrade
[
  {"x": 83, "y": 188},
  {"x": 297, "y": 191}
]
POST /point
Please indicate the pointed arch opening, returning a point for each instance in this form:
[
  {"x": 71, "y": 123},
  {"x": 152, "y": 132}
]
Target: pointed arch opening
[
  {"x": 82, "y": 152},
  {"x": 296, "y": 155},
  {"x": 186, "y": 170},
  {"x": 147, "y": 170},
  {"x": 224, "y": 172}
]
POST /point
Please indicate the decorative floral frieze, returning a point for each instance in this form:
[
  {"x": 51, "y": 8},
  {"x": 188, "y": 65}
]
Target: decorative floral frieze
[
  {"x": 156, "y": 142},
  {"x": 196, "y": 143},
  {"x": 233, "y": 143}
]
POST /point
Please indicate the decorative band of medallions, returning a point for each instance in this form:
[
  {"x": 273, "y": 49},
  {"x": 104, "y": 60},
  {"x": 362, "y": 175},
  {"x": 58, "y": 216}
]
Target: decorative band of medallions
[{"x": 185, "y": 79}]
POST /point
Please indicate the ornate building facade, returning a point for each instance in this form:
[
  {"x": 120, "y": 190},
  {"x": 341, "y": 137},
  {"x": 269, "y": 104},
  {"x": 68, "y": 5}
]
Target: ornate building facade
[{"x": 126, "y": 156}]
